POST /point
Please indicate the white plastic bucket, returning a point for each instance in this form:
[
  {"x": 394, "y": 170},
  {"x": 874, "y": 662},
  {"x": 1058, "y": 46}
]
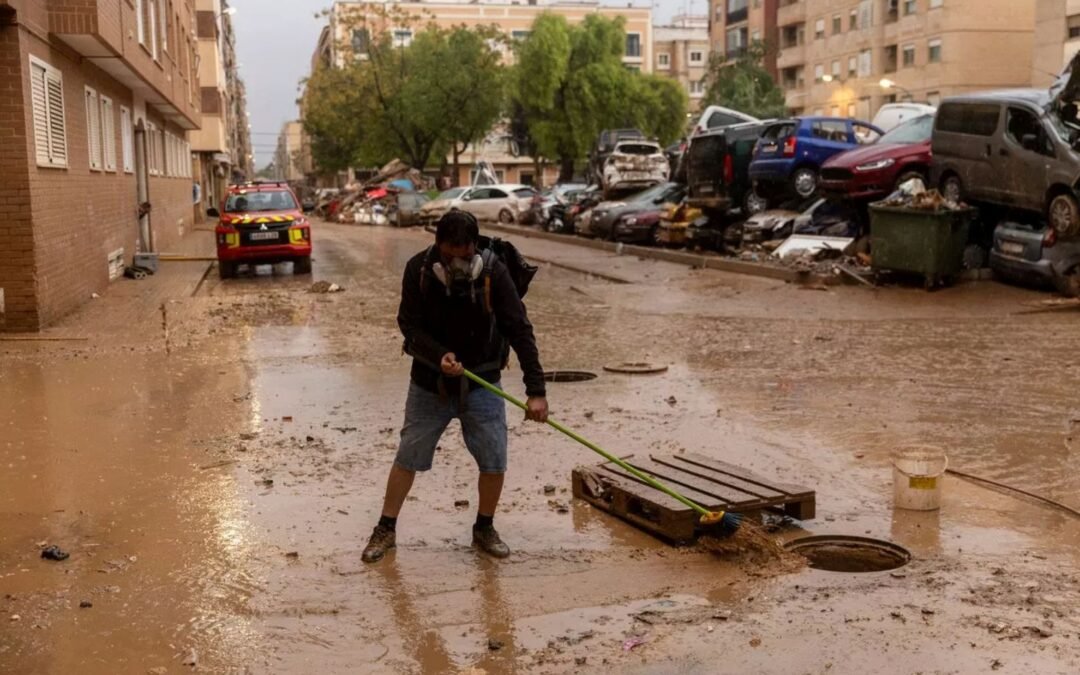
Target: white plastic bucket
[{"x": 917, "y": 478}]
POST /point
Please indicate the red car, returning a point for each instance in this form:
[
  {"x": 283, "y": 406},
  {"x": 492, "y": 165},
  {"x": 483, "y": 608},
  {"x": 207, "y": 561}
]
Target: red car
[
  {"x": 261, "y": 223},
  {"x": 872, "y": 172}
]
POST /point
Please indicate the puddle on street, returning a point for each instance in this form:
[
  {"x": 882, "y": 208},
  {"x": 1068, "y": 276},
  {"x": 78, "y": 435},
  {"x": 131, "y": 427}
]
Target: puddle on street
[{"x": 96, "y": 459}]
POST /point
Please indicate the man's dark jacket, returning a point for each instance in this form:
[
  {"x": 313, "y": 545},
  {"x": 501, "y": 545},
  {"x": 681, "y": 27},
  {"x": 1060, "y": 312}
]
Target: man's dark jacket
[{"x": 434, "y": 324}]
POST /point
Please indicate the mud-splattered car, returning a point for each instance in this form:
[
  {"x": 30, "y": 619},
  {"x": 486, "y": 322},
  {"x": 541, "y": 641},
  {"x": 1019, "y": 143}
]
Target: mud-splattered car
[{"x": 634, "y": 165}]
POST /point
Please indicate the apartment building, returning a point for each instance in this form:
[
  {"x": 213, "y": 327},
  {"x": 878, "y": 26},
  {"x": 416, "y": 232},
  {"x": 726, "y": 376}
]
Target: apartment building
[
  {"x": 96, "y": 101},
  {"x": 514, "y": 19},
  {"x": 681, "y": 52},
  {"x": 1057, "y": 38},
  {"x": 222, "y": 146},
  {"x": 290, "y": 160},
  {"x": 849, "y": 57},
  {"x": 736, "y": 24}
]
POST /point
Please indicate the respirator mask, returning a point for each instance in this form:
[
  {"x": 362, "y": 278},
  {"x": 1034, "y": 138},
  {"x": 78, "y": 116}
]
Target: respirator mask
[{"x": 460, "y": 274}]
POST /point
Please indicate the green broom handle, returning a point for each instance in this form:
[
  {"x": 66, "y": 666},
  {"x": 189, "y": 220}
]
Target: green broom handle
[{"x": 592, "y": 446}]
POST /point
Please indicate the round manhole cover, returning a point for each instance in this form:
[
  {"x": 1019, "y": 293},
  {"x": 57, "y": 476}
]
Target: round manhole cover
[
  {"x": 839, "y": 553},
  {"x": 635, "y": 368},
  {"x": 569, "y": 376}
]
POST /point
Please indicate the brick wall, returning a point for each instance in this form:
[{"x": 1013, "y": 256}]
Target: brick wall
[
  {"x": 78, "y": 216},
  {"x": 16, "y": 235}
]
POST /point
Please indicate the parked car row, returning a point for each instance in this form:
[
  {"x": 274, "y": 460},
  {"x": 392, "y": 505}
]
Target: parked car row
[{"x": 505, "y": 203}]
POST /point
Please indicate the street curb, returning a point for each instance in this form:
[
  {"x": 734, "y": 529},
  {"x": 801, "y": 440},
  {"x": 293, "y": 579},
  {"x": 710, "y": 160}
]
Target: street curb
[{"x": 677, "y": 257}]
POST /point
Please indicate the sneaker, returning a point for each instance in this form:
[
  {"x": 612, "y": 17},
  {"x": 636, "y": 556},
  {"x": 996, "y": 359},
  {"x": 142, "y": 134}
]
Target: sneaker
[
  {"x": 488, "y": 541},
  {"x": 382, "y": 540}
]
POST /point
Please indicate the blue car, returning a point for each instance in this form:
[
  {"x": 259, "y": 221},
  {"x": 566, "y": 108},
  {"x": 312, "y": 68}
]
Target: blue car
[{"x": 790, "y": 152}]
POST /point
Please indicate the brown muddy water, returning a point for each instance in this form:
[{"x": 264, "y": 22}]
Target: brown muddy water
[{"x": 215, "y": 500}]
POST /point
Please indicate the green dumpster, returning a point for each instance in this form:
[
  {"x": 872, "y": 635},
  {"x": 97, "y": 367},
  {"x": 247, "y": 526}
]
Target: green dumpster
[{"x": 922, "y": 241}]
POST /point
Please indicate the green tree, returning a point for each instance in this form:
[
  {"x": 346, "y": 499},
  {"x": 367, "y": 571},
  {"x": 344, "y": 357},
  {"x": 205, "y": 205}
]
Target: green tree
[
  {"x": 570, "y": 83},
  {"x": 743, "y": 83},
  {"x": 413, "y": 101}
]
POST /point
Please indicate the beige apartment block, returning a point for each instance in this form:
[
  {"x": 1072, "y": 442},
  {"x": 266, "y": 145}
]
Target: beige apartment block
[
  {"x": 1057, "y": 38},
  {"x": 834, "y": 54},
  {"x": 289, "y": 158},
  {"x": 514, "y": 19},
  {"x": 681, "y": 52},
  {"x": 736, "y": 24}
]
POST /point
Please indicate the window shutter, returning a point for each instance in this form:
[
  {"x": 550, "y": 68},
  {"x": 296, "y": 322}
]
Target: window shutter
[
  {"x": 126, "y": 141},
  {"x": 93, "y": 128},
  {"x": 40, "y": 105},
  {"x": 108, "y": 132}
]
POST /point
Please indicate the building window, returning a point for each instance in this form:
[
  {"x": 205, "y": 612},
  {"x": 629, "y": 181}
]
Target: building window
[
  {"x": 697, "y": 57},
  {"x": 737, "y": 11},
  {"x": 519, "y": 35},
  {"x": 93, "y": 129},
  {"x": 361, "y": 40},
  {"x": 866, "y": 63},
  {"x": 819, "y": 72},
  {"x": 853, "y": 19},
  {"x": 755, "y": 36},
  {"x": 697, "y": 88},
  {"x": 140, "y": 21},
  {"x": 835, "y": 71},
  {"x": 127, "y": 151},
  {"x": 852, "y": 66},
  {"x": 866, "y": 13},
  {"x": 934, "y": 51},
  {"x": 837, "y": 24},
  {"x": 736, "y": 42},
  {"x": 851, "y": 110},
  {"x": 909, "y": 7},
  {"x": 835, "y": 112},
  {"x": 909, "y": 56},
  {"x": 151, "y": 149},
  {"x": 934, "y": 4},
  {"x": 890, "y": 59},
  {"x": 163, "y": 15},
  {"x": 819, "y": 29},
  {"x": 47, "y": 102},
  {"x": 663, "y": 61},
  {"x": 633, "y": 45},
  {"x": 892, "y": 11},
  {"x": 108, "y": 133},
  {"x": 402, "y": 37}
]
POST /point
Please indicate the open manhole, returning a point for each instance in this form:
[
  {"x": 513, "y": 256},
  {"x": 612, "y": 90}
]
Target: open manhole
[
  {"x": 635, "y": 368},
  {"x": 839, "y": 553},
  {"x": 568, "y": 376}
]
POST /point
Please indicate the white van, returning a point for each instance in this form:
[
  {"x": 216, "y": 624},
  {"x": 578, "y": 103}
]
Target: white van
[{"x": 894, "y": 114}]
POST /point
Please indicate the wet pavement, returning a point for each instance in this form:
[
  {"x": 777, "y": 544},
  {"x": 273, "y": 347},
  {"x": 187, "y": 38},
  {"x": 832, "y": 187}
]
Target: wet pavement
[{"x": 215, "y": 494}]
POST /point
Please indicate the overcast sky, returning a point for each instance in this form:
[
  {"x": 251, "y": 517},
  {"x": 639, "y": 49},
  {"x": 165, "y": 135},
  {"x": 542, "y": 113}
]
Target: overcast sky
[{"x": 275, "y": 39}]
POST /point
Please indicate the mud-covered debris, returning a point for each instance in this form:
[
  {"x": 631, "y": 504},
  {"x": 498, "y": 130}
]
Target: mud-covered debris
[
  {"x": 344, "y": 430},
  {"x": 633, "y": 642},
  {"x": 292, "y": 555},
  {"x": 589, "y": 414},
  {"x": 755, "y": 642},
  {"x": 54, "y": 553},
  {"x": 265, "y": 482},
  {"x": 15, "y": 617},
  {"x": 191, "y": 658},
  {"x": 549, "y": 489},
  {"x": 927, "y": 611},
  {"x": 325, "y": 287},
  {"x": 286, "y": 418},
  {"x": 247, "y": 436},
  {"x": 495, "y": 645},
  {"x": 462, "y": 503},
  {"x": 996, "y": 664},
  {"x": 160, "y": 670},
  {"x": 85, "y": 604},
  {"x": 671, "y": 400},
  {"x": 581, "y": 660},
  {"x": 558, "y": 506},
  {"x": 309, "y": 439}
]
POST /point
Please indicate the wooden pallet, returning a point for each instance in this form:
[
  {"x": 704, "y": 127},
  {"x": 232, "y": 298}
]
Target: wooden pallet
[{"x": 714, "y": 484}]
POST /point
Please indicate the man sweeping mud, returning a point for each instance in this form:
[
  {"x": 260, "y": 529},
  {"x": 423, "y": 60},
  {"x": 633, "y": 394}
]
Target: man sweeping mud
[{"x": 460, "y": 308}]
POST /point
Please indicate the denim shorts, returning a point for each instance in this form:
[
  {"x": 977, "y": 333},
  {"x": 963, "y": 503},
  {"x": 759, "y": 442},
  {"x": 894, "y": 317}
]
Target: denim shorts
[{"x": 483, "y": 424}]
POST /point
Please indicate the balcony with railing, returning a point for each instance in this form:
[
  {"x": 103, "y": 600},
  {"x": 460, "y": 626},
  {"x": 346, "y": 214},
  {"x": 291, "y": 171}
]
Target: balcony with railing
[
  {"x": 791, "y": 11},
  {"x": 737, "y": 11}
]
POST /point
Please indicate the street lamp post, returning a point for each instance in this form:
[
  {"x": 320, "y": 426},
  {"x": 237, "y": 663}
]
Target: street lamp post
[{"x": 888, "y": 84}]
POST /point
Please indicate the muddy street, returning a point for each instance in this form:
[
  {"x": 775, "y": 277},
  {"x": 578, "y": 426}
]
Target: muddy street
[{"x": 215, "y": 479}]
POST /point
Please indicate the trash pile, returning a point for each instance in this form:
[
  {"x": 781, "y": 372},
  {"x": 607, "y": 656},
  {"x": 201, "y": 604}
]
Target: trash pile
[
  {"x": 374, "y": 201},
  {"x": 913, "y": 194}
]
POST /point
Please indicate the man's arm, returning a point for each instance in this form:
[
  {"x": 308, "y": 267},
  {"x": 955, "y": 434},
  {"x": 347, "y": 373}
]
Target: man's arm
[
  {"x": 513, "y": 323},
  {"x": 411, "y": 320}
]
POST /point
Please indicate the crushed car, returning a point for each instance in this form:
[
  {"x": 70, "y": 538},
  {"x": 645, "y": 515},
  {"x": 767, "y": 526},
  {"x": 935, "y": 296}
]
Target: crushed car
[
  {"x": 718, "y": 169},
  {"x": 635, "y": 218},
  {"x": 634, "y": 165}
]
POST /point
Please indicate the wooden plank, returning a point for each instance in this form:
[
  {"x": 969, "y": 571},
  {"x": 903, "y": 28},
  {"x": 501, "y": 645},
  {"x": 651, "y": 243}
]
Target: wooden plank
[
  {"x": 746, "y": 486},
  {"x": 724, "y": 468},
  {"x": 719, "y": 494},
  {"x": 691, "y": 493}
]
